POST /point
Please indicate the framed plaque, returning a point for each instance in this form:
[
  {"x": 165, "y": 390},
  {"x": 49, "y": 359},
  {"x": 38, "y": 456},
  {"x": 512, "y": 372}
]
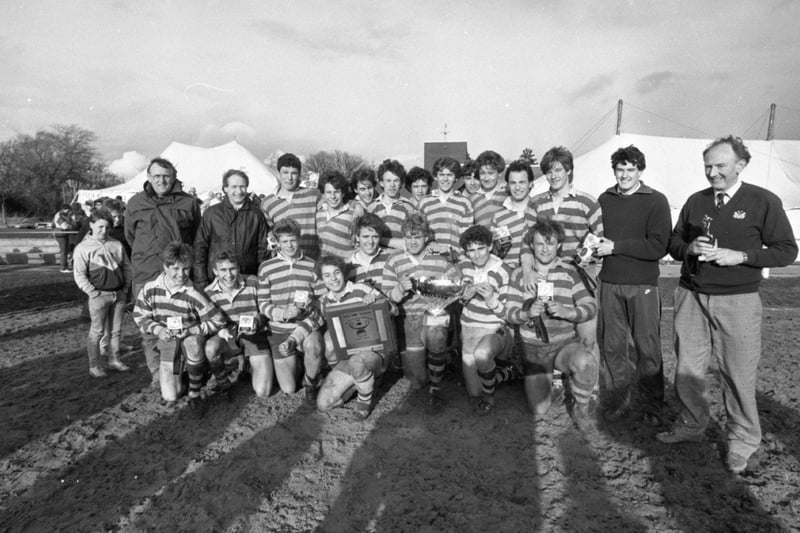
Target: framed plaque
[{"x": 358, "y": 326}]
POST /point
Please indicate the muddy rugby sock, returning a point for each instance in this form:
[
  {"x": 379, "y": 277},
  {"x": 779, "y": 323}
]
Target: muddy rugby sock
[
  {"x": 219, "y": 370},
  {"x": 195, "y": 372},
  {"x": 364, "y": 386},
  {"x": 581, "y": 392},
  {"x": 436, "y": 364},
  {"x": 488, "y": 379}
]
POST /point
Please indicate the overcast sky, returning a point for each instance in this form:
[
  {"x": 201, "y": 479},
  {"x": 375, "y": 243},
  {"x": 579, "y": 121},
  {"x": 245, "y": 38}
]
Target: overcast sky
[{"x": 381, "y": 78}]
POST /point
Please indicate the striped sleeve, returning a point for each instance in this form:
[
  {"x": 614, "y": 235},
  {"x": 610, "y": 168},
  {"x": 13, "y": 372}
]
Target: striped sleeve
[{"x": 335, "y": 232}]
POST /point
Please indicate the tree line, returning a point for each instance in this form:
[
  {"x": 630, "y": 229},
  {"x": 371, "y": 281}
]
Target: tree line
[{"x": 40, "y": 172}]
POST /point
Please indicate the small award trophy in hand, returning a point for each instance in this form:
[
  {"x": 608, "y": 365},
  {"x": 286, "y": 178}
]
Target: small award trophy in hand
[
  {"x": 706, "y": 225},
  {"x": 544, "y": 293},
  {"x": 437, "y": 294}
]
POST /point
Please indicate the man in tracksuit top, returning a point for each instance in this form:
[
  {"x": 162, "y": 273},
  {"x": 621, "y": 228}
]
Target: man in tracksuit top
[
  {"x": 636, "y": 223},
  {"x": 724, "y": 235}
]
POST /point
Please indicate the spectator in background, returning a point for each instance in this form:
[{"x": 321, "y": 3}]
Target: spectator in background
[
  {"x": 63, "y": 221},
  {"x": 80, "y": 222}
]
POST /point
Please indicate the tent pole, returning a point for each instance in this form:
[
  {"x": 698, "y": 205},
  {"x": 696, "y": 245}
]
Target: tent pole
[
  {"x": 771, "y": 126},
  {"x": 619, "y": 116}
]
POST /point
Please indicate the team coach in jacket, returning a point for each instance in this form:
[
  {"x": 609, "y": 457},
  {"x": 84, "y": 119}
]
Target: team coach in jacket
[
  {"x": 160, "y": 214},
  {"x": 235, "y": 224},
  {"x": 724, "y": 235}
]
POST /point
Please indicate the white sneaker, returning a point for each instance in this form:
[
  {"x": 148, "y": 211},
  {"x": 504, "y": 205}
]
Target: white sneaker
[
  {"x": 97, "y": 372},
  {"x": 118, "y": 365}
]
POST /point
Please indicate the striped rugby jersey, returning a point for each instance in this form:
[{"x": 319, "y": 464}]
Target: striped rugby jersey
[
  {"x": 579, "y": 213},
  {"x": 448, "y": 217},
  {"x": 279, "y": 279},
  {"x": 427, "y": 264},
  {"x": 498, "y": 275},
  {"x": 370, "y": 273},
  {"x": 335, "y": 229},
  {"x": 485, "y": 205},
  {"x": 353, "y": 292},
  {"x": 392, "y": 216},
  {"x": 244, "y": 300},
  {"x": 568, "y": 289},
  {"x": 517, "y": 225},
  {"x": 156, "y": 302},
  {"x": 301, "y": 208}
]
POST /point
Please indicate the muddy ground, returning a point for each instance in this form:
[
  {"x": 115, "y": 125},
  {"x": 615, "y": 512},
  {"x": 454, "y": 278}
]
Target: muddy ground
[{"x": 78, "y": 454}]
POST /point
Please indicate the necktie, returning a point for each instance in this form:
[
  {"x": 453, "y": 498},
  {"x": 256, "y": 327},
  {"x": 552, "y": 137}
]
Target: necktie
[{"x": 720, "y": 200}]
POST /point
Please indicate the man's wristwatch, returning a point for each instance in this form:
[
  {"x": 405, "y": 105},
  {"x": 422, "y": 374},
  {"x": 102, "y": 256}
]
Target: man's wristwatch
[{"x": 745, "y": 257}]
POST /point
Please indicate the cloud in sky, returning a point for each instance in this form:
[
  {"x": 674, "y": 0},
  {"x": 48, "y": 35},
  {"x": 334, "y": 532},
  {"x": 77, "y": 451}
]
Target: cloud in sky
[
  {"x": 375, "y": 42},
  {"x": 382, "y": 78},
  {"x": 129, "y": 165},
  {"x": 655, "y": 81}
]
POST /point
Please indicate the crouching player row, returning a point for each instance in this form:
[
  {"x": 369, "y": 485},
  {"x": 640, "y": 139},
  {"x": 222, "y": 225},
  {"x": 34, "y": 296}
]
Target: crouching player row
[{"x": 548, "y": 318}]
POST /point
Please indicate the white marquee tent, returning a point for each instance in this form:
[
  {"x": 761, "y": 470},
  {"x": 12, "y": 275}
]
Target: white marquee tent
[
  {"x": 675, "y": 168},
  {"x": 201, "y": 168}
]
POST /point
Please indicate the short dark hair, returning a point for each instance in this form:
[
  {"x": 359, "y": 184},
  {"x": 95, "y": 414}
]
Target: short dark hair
[
  {"x": 547, "y": 228},
  {"x": 225, "y": 255},
  {"x": 393, "y": 166},
  {"x": 286, "y": 226},
  {"x": 101, "y": 214},
  {"x": 362, "y": 174},
  {"x": 234, "y": 172},
  {"x": 177, "y": 252},
  {"x": 492, "y": 159},
  {"x": 416, "y": 174},
  {"x": 557, "y": 154},
  {"x": 477, "y": 233},
  {"x": 166, "y": 163},
  {"x": 449, "y": 163},
  {"x": 289, "y": 160},
  {"x": 330, "y": 260},
  {"x": 629, "y": 154},
  {"x": 736, "y": 144},
  {"x": 369, "y": 220},
  {"x": 520, "y": 166},
  {"x": 335, "y": 178}
]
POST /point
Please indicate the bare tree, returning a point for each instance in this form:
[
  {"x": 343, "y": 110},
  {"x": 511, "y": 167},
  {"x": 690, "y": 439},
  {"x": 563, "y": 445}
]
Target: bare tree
[
  {"x": 44, "y": 170},
  {"x": 528, "y": 156},
  {"x": 344, "y": 162}
]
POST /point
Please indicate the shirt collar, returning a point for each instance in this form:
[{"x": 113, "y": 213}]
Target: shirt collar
[
  {"x": 216, "y": 286},
  {"x": 570, "y": 191},
  {"x": 733, "y": 190},
  {"x": 161, "y": 280},
  {"x": 348, "y": 288}
]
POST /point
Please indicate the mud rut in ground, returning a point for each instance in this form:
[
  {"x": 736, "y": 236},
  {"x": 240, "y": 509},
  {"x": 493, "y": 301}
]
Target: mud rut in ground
[{"x": 86, "y": 455}]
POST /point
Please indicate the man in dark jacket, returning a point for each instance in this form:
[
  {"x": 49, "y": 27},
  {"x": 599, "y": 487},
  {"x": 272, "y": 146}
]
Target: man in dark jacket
[
  {"x": 160, "y": 214},
  {"x": 234, "y": 224}
]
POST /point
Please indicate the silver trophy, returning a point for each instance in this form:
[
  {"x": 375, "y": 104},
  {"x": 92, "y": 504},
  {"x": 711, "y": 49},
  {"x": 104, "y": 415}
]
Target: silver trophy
[{"x": 438, "y": 293}]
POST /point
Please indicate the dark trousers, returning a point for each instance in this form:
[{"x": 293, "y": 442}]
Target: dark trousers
[
  {"x": 63, "y": 249},
  {"x": 631, "y": 340}
]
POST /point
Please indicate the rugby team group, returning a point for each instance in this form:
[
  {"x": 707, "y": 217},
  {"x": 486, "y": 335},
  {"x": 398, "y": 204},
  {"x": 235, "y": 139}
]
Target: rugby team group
[{"x": 557, "y": 290}]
